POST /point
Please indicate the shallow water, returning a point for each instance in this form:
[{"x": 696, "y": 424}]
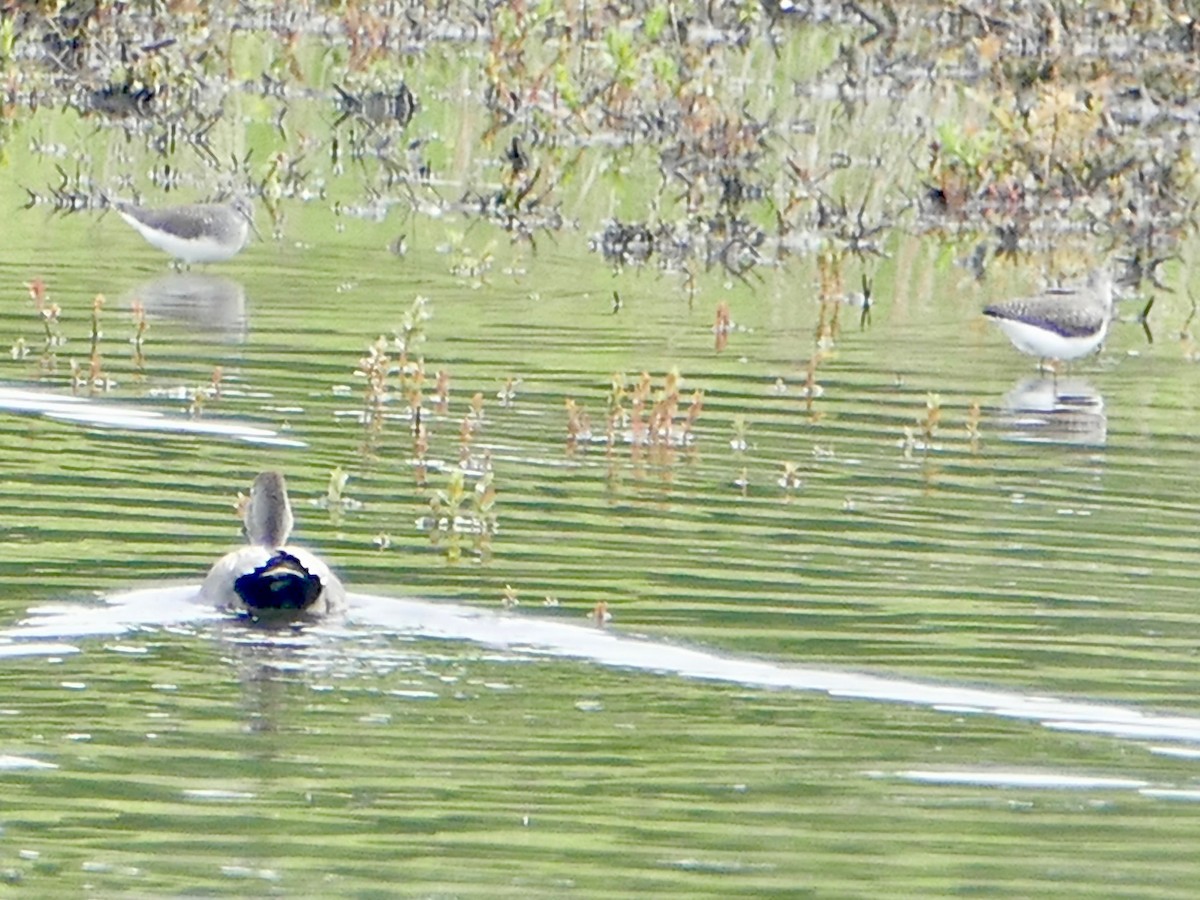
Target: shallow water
[
  {"x": 964, "y": 582},
  {"x": 845, "y": 659},
  {"x": 922, "y": 660}
]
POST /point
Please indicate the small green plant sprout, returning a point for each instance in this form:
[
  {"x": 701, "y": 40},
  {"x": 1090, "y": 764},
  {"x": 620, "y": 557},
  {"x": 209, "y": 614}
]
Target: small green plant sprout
[
  {"x": 926, "y": 427},
  {"x": 78, "y": 379},
  {"x": 476, "y": 413},
  {"x": 790, "y": 479},
  {"x": 723, "y": 326},
  {"x": 812, "y": 389},
  {"x": 663, "y": 412},
  {"x": 466, "y": 435},
  {"x": 97, "y": 309},
  {"x": 579, "y": 428},
  {"x": 830, "y": 293},
  {"x": 738, "y": 443},
  {"x": 933, "y": 414},
  {"x": 618, "y": 416},
  {"x": 447, "y": 503},
  {"x": 411, "y": 332},
  {"x": 272, "y": 192},
  {"x": 412, "y": 383},
  {"x": 199, "y": 396},
  {"x": 471, "y": 423},
  {"x": 742, "y": 482},
  {"x": 664, "y": 429},
  {"x": 637, "y": 433},
  {"x": 140, "y": 326},
  {"x": 695, "y": 407},
  {"x": 471, "y": 266},
  {"x": 691, "y": 284},
  {"x": 509, "y": 598},
  {"x": 374, "y": 368},
  {"x": 655, "y": 424},
  {"x": 196, "y": 400},
  {"x": 444, "y": 508},
  {"x": 38, "y": 293},
  {"x": 336, "y": 486},
  {"x": 455, "y": 511},
  {"x": 484, "y": 521},
  {"x": 48, "y": 313},
  {"x": 508, "y": 394},
  {"x": 600, "y": 614},
  {"x": 485, "y": 502},
  {"x": 237, "y": 508},
  {"x": 335, "y": 499},
  {"x": 97, "y": 380},
  {"x": 441, "y": 392},
  {"x": 974, "y": 417},
  {"x": 420, "y": 438}
]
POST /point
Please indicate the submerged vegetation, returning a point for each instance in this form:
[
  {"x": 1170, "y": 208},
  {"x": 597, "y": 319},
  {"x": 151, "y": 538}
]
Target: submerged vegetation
[
  {"x": 706, "y": 141},
  {"x": 640, "y": 416}
]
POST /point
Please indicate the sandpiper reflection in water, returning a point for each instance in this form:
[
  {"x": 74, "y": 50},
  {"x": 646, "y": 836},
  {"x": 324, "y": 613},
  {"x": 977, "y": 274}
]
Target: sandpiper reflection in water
[
  {"x": 1054, "y": 410},
  {"x": 214, "y": 304}
]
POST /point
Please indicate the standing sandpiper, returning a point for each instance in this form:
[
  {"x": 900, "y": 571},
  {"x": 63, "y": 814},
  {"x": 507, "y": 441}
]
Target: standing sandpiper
[
  {"x": 1061, "y": 323},
  {"x": 196, "y": 232}
]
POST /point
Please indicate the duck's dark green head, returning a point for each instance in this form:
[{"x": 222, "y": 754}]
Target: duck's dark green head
[{"x": 281, "y": 584}]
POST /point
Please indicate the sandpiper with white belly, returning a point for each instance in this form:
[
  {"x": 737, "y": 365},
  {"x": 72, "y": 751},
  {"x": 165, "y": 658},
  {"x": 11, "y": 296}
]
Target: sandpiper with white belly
[
  {"x": 195, "y": 232},
  {"x": 1061, "y": 323}
]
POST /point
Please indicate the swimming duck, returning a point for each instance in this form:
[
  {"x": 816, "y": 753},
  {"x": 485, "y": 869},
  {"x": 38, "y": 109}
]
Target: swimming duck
[{"x": 269, "y": 578}]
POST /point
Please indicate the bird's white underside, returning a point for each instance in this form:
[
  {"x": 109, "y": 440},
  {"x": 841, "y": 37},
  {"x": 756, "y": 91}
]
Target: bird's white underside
[
  {"x": 1046, "y": 344},
  {"x": 190, "y": 250}
]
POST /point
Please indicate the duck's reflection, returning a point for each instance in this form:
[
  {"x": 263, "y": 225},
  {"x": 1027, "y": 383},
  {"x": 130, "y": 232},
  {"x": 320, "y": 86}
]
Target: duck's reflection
[
  {"x": 215, "y": 303},
  {"x": 1054, "y": 410},
  {"x": 267, "y": 670}
]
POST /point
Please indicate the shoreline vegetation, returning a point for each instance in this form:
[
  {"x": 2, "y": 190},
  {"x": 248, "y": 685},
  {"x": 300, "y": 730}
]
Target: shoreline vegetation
[{"x": 689, "y": 137}]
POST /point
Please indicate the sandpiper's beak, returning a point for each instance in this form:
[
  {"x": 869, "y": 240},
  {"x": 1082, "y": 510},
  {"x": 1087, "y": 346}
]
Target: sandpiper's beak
[
  {"x": 254, "y": 228},
  {"x": 247, "y": 212}
]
